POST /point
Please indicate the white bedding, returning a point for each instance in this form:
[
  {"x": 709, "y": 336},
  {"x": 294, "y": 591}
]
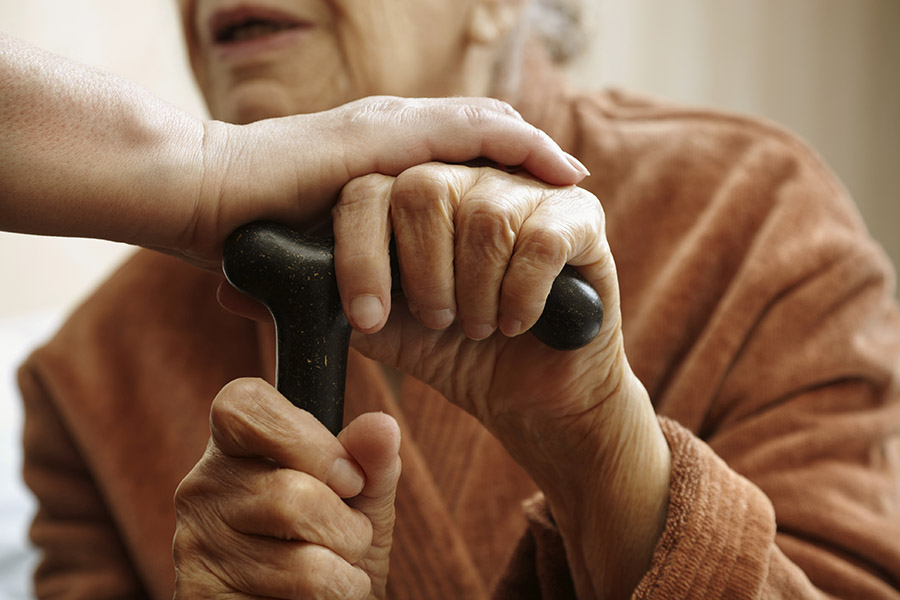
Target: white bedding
[{"x": 18, "y": 336}]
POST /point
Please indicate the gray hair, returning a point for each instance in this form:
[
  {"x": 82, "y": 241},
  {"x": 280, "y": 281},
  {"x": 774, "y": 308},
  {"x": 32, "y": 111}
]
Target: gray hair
[{"x": 558, "y": 24}]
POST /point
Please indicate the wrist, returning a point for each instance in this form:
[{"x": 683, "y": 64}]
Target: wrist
[{"x": 605, "y": 476}]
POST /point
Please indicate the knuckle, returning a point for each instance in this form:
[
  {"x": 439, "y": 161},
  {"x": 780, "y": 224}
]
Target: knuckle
[
  {"x": 403, "y": 111},
  {"x": 290, "y": 493},
  {"x": 501, "y": 106},
  {"x": 197, "y": 485},
  {"x": 477, "y": 116},
  {"x": 590, "y": 207},
  {"x": 362, "y": 189},
  {"x": 365, "y": 258},
  {"x": 234, "y": 399},
  {"x": 485, "y": 224},
  {"x": 230, "y": 409},
  {"x": 321, "y": 574},
  {"x": 300, "y": 509},
  {"x": 186, "y": 493},
  {"x": 585, "y": 203},
  {"x": 197, "y": 502},
  {"x": 417, "y": 189},
  {"x": 543, "y": 246},
  {"x": 368, "y": 110}
]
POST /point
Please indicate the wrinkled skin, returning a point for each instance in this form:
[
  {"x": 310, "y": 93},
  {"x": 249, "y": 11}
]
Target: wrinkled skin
[{"x": 262, "y": 512}]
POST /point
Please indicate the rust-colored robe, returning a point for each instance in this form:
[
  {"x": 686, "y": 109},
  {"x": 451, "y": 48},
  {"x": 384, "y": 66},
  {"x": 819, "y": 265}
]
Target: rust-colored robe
[{"x": 757, "y": 312}]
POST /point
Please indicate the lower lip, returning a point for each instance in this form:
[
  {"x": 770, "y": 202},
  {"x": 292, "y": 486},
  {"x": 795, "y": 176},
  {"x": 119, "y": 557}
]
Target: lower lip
[{"x": 253, "y": 48}]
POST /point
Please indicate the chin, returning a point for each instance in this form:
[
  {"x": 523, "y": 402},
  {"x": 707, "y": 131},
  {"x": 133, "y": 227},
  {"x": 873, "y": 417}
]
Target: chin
[
  {"x": 259, "y": 99},
  {"x": 266, "y": 98},
  {"x": 249, "y": 113},
  {"x": 251, "y": 101}
]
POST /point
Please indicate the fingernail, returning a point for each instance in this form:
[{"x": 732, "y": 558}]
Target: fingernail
[
  {"x": 366, "y": 311},
  {"x": 437, "y": 319},
  {"x": 509, "y": 326},
  {"x": 577, "y": 165},
  {"x": 479, "y": 332},
  {"x": 345, "y": 478}
]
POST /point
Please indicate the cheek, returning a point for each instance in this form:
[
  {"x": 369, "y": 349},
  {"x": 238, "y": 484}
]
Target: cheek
[
  {"x": 409, "y": 52},
  {"x": 369, "y": 41}
]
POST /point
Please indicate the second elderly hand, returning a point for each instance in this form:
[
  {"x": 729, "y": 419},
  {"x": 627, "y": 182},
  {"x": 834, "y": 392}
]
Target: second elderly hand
[{"x": 293, "y": 276}]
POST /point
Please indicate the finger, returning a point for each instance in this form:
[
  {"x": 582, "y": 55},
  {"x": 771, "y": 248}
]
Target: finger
[
  {"x": 566, "y": 227},
  {"x": 267, "y": 568},
  {"x": 488, "y": 220},
  {"x": 423, "y": 203},
  {"x": 483, "y": 102},
  {"x": 400, "y": 133},
  {"x": 374, "y": 440},
  {"x": 250, "y": 419},
  {"x": 361, "y": 262},
  {"x": 290, "y": 505}
]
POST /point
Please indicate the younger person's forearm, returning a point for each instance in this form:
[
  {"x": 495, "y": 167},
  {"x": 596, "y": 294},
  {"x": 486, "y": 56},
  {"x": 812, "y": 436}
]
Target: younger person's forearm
[{"x": 84, "y": 153}]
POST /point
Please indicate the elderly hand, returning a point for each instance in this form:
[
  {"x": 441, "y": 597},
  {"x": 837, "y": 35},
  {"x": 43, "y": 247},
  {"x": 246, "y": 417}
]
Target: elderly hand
[
  {"x": 263, "y": 513},
  {"x": 478, "y": 250}
]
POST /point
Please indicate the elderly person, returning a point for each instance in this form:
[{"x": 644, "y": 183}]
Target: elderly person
[{"x": 731, "y": 432}]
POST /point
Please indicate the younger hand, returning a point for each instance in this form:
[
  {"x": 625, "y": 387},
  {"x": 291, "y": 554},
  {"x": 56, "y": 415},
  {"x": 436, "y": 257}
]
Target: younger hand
[{"x": 280, "y": 508}]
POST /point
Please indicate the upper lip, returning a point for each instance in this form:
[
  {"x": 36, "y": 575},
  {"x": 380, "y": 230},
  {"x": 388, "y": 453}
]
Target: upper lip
[{"x": 223, "y": 22}]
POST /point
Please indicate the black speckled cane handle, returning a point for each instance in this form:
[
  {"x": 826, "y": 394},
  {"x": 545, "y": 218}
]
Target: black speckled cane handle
[{"x": 293, "y": 276}]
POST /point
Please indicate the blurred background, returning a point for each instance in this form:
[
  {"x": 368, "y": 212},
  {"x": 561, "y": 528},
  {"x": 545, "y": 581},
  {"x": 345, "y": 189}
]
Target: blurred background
[{"x": 827, "y": 69}]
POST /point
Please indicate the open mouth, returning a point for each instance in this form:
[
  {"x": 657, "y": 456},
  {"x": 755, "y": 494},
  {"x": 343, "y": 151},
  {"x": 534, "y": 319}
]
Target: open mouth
[{"x": 244, "y": 25}]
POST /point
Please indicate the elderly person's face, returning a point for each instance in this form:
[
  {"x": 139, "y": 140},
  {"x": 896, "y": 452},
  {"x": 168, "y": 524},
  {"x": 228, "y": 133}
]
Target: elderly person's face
[{"x": 264, "y": 58}]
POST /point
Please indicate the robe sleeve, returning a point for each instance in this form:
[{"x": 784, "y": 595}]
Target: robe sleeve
[
  {"x": 83, "y": 555},
  {"x": 720, "y": 541}
]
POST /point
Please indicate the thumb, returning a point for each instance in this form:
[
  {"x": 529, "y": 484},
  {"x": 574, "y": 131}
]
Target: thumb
[{"x": 373, "y": 439}]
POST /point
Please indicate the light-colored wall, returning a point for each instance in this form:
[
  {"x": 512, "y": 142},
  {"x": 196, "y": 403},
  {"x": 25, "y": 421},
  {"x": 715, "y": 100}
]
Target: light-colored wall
[
  {"x": 829, "y": 69},
  {"x": 138, "y": 39}
]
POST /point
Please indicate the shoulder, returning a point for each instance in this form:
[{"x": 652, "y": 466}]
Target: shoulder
[
  {"x": 673, "y": 171},
  {"x": 645, "y": 141},
  {"x": 718, "y": 221}
]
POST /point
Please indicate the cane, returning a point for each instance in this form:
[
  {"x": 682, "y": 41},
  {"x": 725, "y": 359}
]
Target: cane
[{"x": 293, "y": 276}]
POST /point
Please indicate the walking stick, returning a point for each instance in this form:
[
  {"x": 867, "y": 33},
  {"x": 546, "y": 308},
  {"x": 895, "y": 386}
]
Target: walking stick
[{"x": 293, "y": 276}]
